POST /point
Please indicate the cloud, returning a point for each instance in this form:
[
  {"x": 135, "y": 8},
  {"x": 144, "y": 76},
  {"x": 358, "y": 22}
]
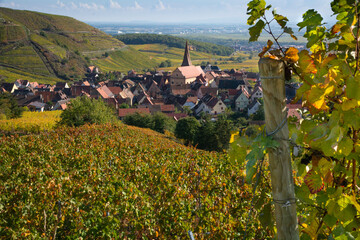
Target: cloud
[
  {"x": 73, "y": 5},
  {"x": 137, "y": 6},
  {"x": 91, "y": 6},
  {"x": 9, "y": 5},
  {"x": 114, "y": 4},
  {"x": 160, "y": 6},
  {"x": 60, "y": 4}
]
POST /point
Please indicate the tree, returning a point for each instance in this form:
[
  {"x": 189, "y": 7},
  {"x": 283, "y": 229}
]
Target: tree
[
  {"x": 84, "y": 110},
  {"x": 223, "y": 128},
  {"x": 9, "y": 107},
  {"x": 186, "y": 128},
  {"x": 124, "y": 105},
  {"x": 139, "y": 120},
  {"x": 163, "y": 122},
  {"x": 206, "y": 138},
  {"x": 158, "y": 122}
]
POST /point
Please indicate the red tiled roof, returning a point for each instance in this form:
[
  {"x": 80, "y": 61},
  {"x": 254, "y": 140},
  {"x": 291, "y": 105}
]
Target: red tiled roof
[
  {"x": 192, "y": 99},
  {"x": 115, "y": 90},
  {"x": 102, "y": 93},
  {"x": 191, "y": 71},
  {"x": 167, "y": 108}
]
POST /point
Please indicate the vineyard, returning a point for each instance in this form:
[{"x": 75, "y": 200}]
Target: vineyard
[
  {"x": 115, "y": 181},
  {"x": 31, "y": 122}
]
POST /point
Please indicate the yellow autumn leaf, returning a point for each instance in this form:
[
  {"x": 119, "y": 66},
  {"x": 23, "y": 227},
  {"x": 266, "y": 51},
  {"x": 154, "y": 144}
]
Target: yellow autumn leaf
[
  {"x": 266, "y": 48},
  {"x": 352, "y": 199},
  {"x": 233, "y": 136},
  {"x": 306, "y": 62},
  {"x": 312, "y": 229},
  {"x": 291, "y": 55}
]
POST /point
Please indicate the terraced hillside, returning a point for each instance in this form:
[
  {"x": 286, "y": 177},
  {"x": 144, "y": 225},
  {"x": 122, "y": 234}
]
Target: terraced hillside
[{"x": 44, "y": 47}]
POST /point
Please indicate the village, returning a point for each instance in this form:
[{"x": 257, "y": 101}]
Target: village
[{"x": 188, "y": 90}]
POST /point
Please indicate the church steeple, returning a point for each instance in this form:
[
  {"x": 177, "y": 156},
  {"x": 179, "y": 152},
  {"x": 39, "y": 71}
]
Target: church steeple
[{"x": 187, "y": 60}]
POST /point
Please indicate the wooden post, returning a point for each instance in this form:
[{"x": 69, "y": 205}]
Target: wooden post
[{"x": 272, "y": 75}]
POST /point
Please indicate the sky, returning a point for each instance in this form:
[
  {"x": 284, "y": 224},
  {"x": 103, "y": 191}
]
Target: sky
[{"x": 166, "y": 11}]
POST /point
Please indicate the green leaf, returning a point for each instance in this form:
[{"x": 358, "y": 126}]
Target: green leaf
[
  {"x": 311, "y": 19},
  {"x": 256, "y": 9},
  {"x": 256, "y": 30},
  {"x": 330, "y": 220},
  {"x": 281, "y": 20},
  {"x": 352, "y": 87},
  {"x": 289, "y": 31},
  {"x": 315, "y": 36},
  {"x": 265, "y": 216},
  {"x": 345, "y": 147}
]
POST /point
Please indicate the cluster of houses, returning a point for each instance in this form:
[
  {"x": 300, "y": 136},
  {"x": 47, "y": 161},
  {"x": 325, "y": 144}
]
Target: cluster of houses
[{"x": 187, "y": 89}]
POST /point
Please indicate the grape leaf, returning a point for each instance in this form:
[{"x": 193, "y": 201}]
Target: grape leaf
[
  {"x": 311, "y": 19},
  {"x": 256, "y": 30},
  {"x": 352, "y": 87},
  {"x": 265, "y": 49},
  {"x": 314, "y": 181},
  {"x": 291, "y": 55}
]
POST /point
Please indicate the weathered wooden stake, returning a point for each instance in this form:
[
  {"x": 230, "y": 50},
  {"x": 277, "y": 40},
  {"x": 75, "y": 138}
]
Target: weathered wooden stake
[{"x": 272, "y": 75}]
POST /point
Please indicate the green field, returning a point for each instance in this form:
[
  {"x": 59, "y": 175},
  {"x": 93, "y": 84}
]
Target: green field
[
  {"x": 11, "y": 74},
  {"x": 160, "y": 53},
  {"x": 124, "y": 60}
]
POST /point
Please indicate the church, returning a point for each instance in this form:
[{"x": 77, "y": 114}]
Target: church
[{"x": 187, "y": 73}]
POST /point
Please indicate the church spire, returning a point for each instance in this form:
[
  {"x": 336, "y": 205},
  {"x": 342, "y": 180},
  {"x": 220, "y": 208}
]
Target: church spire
[{"x": 187, "y": 60}]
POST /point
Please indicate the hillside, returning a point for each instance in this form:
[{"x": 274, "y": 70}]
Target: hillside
[
  {"x": 43, "y": 47},
  {"x": 118, "y": 181},
  {"x": 175, "y": 42}
]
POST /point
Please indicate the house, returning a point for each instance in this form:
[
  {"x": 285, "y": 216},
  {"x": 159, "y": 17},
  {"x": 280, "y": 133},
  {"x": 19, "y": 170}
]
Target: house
[
  {"x": 187, "y": 73},
  {"x": 253, "y": 107},
  {"x": 191, "y": 102},
  {"x": 61, "y": 86},
  {"x": 144, "y": 99},
  {"x": 138, "y": 89},
  {"x": 211, "y": 105},
  {"x": 209, "y": 68},
  {"x": 93, "y": 69},
  {"x": 22, "y": 83},
  {"x": 36, "y": 106},
  {"x": 256, "y": 93},
  {"x": 154, "y": 91},
  {"x": 241, "y": 100},
  {"x": 164, "y": 108},
  {"x": 126, "y": 96},
  {"x": 9, "y": 87},
  {"x": 180, "y": 90},
  {"x": 123, "y": 112},
  {"x": 115, "y": 90},
  {"x": 61, "y": 104},
  {"x": 105, "y": 92}
]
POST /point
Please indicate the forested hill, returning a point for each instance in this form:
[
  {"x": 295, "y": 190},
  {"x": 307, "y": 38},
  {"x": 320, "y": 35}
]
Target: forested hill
[{"x": 172, "y": 41}]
